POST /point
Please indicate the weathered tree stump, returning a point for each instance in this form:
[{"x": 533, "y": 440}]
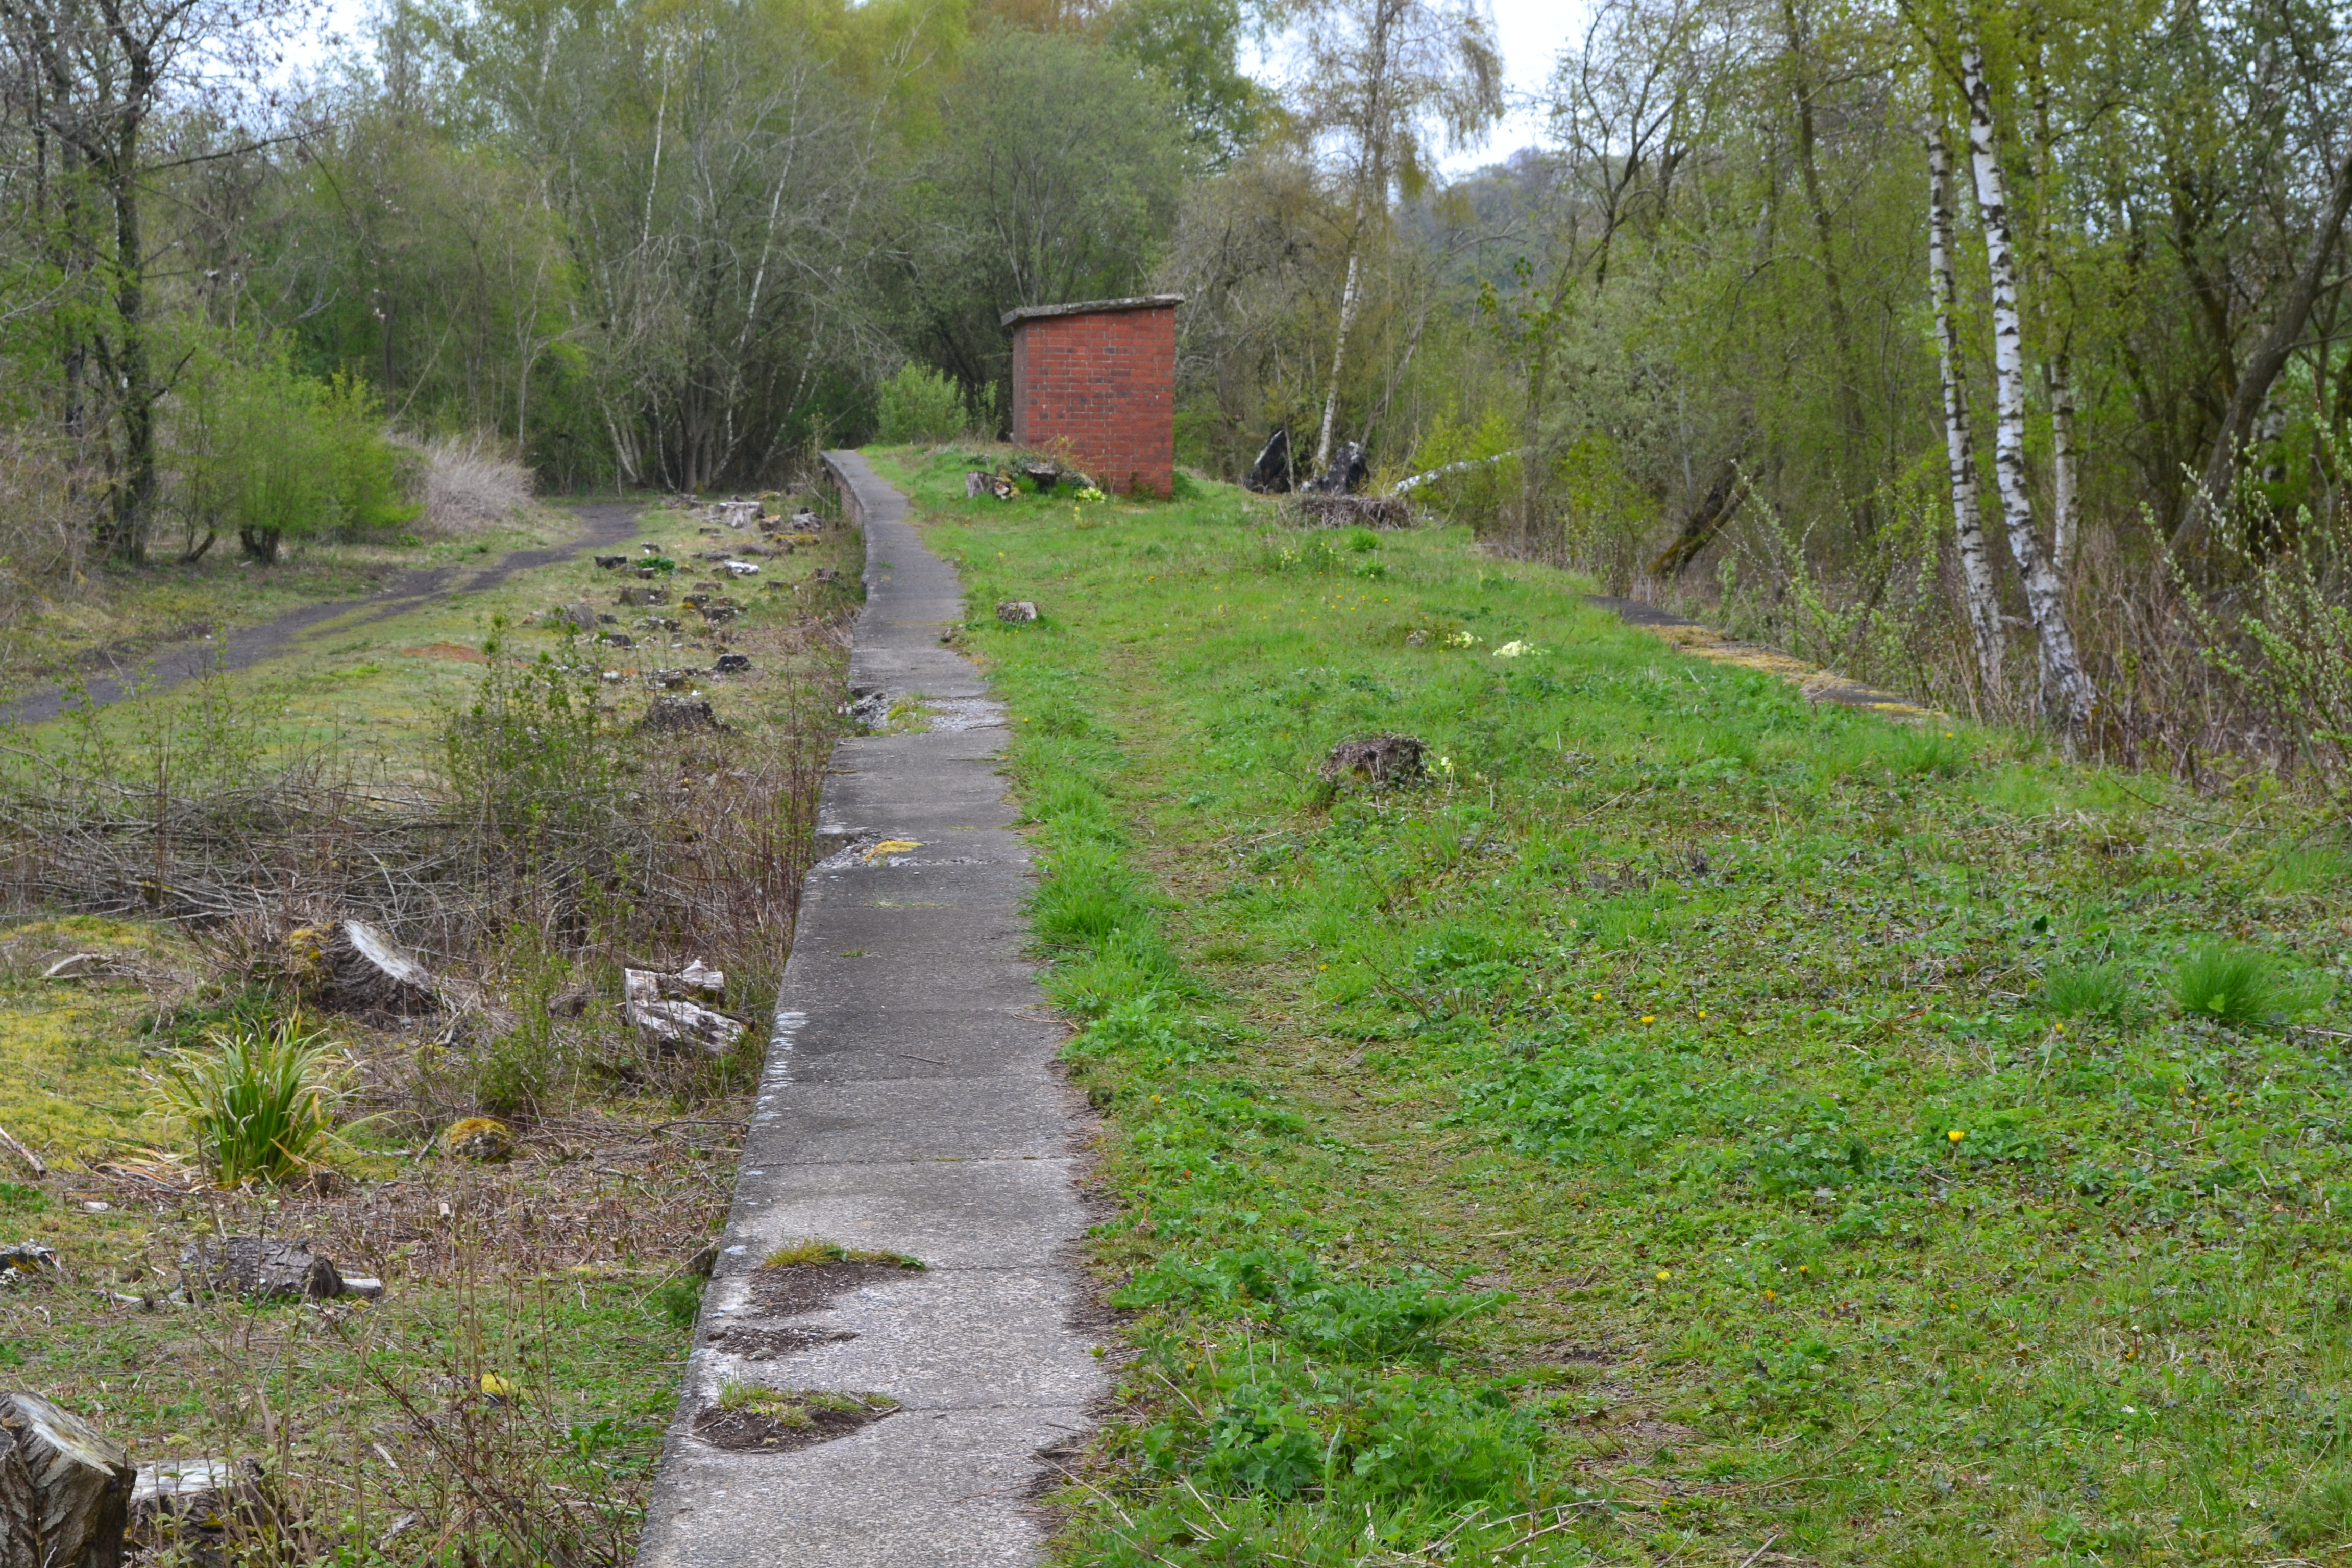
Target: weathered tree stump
[
  {"x": 259, "y": 1266},
  {"x": 1271, "y": 474},
  {"x": 1383, "y": 759},
  {"x": 368, "y": 975},
  {"x": 65, "y": 1489},
  {"x": 1012, "y": 612}
]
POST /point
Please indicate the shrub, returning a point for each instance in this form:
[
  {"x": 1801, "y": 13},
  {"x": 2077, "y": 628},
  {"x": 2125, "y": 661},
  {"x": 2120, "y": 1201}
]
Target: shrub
[
  {"x": 2233, "y": 985},
  {"x": 261, "y": 1102},
  {"x": 918, "y": 404}
]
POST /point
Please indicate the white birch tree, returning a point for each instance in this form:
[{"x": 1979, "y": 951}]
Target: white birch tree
[
  {"x": 1960, "y": 444},
  {"x": 2066, "y": 692}
]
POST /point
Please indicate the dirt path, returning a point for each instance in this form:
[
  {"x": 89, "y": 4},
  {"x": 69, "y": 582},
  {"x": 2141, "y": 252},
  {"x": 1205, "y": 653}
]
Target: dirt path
[{"x": 608, "y": 524}]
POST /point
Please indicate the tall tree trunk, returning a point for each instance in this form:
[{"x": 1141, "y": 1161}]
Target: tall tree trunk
[
  {"x": 1959, "y": 445},
  {"x": 2066, "y": 462},
  {"x": 2067, "y": 694},
  {"x": 1855, "y": 461},
  {"x": 2270, "y": 357}
]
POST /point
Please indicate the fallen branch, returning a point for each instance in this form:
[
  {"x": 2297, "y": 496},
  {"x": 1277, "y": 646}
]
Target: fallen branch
[{"x": 32, "y": 1162}]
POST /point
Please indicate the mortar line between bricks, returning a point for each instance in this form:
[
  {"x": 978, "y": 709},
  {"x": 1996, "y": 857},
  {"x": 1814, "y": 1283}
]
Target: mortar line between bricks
[{"x": 989, "y": 1344}]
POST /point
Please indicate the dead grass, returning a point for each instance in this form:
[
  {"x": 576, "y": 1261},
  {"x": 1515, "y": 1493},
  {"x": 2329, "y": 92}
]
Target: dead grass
[{"x": 468, "y": 484}]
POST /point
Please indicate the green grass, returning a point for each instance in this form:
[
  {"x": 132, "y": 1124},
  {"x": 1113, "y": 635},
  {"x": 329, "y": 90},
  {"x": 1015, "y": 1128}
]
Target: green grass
[{"x": 1555, "y": 1163}]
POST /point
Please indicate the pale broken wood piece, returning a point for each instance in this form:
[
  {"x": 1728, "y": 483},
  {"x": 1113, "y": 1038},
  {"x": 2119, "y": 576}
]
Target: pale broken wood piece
[
  {"x": 65, "y": 1487},
  {"x": 659, "y": 1005},
  {"x": 77, "y": 966},
  {"x": 368, "y": 974},
  {"x": 33, "y": 1162}
]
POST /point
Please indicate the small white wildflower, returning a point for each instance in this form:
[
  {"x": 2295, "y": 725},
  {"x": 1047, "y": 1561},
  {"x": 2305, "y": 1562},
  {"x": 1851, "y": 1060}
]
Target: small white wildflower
[{"x": 1514, "y": 648}]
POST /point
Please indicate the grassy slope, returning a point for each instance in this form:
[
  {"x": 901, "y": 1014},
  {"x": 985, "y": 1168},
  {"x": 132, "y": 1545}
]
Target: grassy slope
[
  {"x": 1657, "y": 1012},
  {"x": 560, "y": 1272}
]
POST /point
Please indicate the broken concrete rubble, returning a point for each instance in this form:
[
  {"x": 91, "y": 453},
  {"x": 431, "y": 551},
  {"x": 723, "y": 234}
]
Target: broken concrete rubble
[
  {"x": 1014, "y": 611},
  {"x": 658, "y": 1004}
]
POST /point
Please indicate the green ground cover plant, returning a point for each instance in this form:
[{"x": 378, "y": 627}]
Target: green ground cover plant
[{"x": 1689, "y": 1124}]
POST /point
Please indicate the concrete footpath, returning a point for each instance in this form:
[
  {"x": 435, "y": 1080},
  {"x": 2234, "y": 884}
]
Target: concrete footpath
[{"x": 908, "y": 1105}]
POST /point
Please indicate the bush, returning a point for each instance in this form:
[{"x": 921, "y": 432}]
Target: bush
[
  {"x": 918, "y": 404},
  {"x": 2232, "y": 985},
  {"x": 261, "y": 1102}
]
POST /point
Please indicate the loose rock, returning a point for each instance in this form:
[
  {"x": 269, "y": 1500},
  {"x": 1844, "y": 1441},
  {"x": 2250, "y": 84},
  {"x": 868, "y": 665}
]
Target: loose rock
[
  {"x": 643, "y": 597},
  {"x": 1015, "y": 611},
  {"x": 612, "y": 563},
  {"x": 731, "y": 663},
  {"x": 259, "y": 1266},
  {"x": 65, "y": 1487},
  {"x": 1271, "y": 474},
  {"x": 27, "y": 1259}
]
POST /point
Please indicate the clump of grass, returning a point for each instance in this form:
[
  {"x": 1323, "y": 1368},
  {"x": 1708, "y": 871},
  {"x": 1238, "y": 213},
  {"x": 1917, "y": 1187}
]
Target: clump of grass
[
  {"x": 2101, "y": 989},
  {"x": 1931, "y": 754},
  {"x": 2233, "y": 985},
  {"x": 812, "y": 1252},
  {"x": 797, "y": 1407},
  {"x": 261, "y": 1102},
  {"x": 680, "y": 1302}
]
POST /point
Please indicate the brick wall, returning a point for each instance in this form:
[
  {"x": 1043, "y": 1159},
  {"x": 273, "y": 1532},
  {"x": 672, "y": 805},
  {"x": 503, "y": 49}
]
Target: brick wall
[{"x": 1101, "y": 389}]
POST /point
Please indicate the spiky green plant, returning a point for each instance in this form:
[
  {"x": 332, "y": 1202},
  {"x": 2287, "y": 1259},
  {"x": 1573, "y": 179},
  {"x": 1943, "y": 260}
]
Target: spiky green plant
[
  {"x": 2233, "y": 985},
  {"x": 2101, "y": 989},
  {"x": 261, "y": 1101}
]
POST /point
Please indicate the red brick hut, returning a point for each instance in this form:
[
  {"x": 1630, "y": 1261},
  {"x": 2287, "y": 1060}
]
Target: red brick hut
[{"x": 1097, "y": 382}]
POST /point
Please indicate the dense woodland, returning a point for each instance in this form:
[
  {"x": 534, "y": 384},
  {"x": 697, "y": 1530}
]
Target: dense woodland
[{"x": 1993, "y": 352}]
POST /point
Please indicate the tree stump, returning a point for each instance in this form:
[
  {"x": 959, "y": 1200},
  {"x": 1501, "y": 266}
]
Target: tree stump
[
  {"x": 65, "y": 1489},
  {"x": 368, "y": 975},
  {"x": 257, "y": 1266},
  {"x": 1383, "y": 759}
]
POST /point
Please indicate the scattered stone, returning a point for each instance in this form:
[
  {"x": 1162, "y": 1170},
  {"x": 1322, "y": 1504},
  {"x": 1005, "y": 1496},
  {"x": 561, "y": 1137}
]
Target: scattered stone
[
  {"x": 656, "y": 1004},
  {"x": 740, "y": 568},
  {"x": 1012, "y": 612},
  {"x": 871, "y": 711},
  {"x": 731, "y": 663},
  {"x": 612, "y": 563},
  {"x": 670, "y": 715},
  {"x": 668, "y": 680},
  {"x": 1044, "y": 476},
  {"x": 27, "y": 1259},
  {"x": 642, "y": 598},
  {"x": 1383, "y": 759},
  {"x": 483, "y": 1138},
  {"x": 65, "y": 1487},
  {"x": 259, "y": 1266},
  {"x": 1271, "y": 474},
  {"x": 1355, "y": 512},
  {"x": 1346, "y": 474},
  {"x": 737, "y": 514},
  {"x": 617, "y": 640},
  {"x": 660, "y": 623},
  {"x": 367, "y": 975},
  {"x": 576, "y": 615}
]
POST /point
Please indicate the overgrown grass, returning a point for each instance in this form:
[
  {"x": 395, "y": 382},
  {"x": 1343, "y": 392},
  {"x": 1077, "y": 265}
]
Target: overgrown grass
[{"x": 1696, "y": 1126}]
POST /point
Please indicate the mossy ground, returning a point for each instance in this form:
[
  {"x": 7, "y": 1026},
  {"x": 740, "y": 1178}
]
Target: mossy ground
[{"x": 1675, "y": 1131}]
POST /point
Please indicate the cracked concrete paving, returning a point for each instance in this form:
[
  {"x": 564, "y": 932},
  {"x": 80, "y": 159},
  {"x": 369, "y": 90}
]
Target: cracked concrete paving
[{"x": 908, "y": 1104}]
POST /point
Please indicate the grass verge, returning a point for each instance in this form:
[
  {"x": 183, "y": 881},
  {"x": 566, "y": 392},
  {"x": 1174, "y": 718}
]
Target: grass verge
[{"x": 1689, "y": 1124}]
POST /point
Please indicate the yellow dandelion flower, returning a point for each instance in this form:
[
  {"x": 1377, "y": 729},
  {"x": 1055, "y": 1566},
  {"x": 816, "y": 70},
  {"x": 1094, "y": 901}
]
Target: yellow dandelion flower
[
  {"x": 1664, "y": 1274},
  {"x": 1649, "y": 1018},
  {"x": 1957, "y": 1133}
]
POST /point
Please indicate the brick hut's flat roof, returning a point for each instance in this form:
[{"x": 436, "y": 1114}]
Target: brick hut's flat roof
[{"x": 1094, "y": 308}]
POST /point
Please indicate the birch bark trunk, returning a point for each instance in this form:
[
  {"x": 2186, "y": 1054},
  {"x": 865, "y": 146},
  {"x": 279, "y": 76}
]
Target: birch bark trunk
[
  {"x": 2066, "y": 693},
  {"x": 1338, "y": 352},
  {"x": 1959, "y": 445},
  {"x": 2066, "y": 457}
]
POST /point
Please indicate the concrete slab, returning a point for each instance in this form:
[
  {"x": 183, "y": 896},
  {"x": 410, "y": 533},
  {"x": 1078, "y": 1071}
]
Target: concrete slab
[{"x": 907, "y": 1104}]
